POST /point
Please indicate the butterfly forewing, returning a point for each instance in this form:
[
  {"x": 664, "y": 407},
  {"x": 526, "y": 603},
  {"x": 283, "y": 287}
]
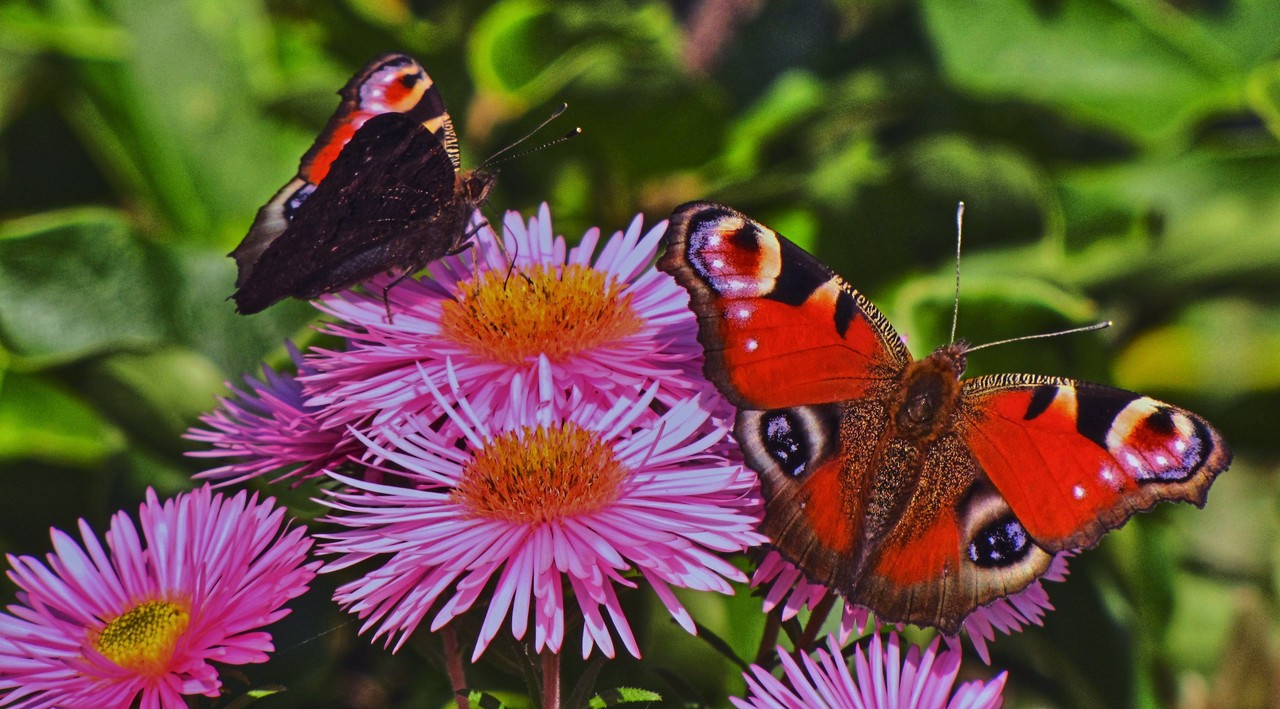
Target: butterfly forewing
[{"x": 778, "y": 327}]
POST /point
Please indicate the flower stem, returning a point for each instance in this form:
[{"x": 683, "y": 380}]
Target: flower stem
[
  {"x": 453, "y": 666},
  {"x": 816, "y": 619},
  {"x": 769, "y": 638},
  {"x": 550, "y": 680}
]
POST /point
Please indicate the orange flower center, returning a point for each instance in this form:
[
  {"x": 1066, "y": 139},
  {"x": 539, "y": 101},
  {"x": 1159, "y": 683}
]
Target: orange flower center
[
  {"x": 143, "y": 638},
  {"x": 539, "y": 310},
  {"x": 541, "y": 474}
]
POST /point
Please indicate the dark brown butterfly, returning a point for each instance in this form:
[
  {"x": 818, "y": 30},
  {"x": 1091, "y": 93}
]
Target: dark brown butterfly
[{"x": 380, "y": 191}]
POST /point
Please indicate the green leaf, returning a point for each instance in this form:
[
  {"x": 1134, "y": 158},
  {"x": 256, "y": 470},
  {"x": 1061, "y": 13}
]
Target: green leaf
[
  {"x": 24, "y": 30},
  {"x": 524, "y": 52},
  {"x": 176, "y": 120},
  {"x": 622, "y": 695},
  {"x": 254, "y": 695},
  {"x": 718, "y": 644},
  {"x": 75, "y": 283},
  {"x": 1113, "y": 63},
  {"x": 1263, "y": 94},
  {"x": 156, "y": 396},
  {"x": 40, "y": 421},
  {"x": 1221, "y": 348},
  {"x": 198, "y": 287},
  {"x": 789, "y": 99},
  {"x": 484, "y": 700}
]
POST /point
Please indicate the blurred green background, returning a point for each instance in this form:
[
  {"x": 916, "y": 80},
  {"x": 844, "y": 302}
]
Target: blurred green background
[{"x": 1119, "y": 160}]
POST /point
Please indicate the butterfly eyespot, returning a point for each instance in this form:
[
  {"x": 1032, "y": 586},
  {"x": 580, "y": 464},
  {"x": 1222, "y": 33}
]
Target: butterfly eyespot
[
  {"x": 1002, "y": 542},
  {"x": 784, "y": 440}
]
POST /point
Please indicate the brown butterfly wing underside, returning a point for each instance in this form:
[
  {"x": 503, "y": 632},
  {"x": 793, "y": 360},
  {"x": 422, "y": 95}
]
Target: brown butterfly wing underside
[
  {"x": 910, "y": 491},
  {"x": 381, "y": 190}
]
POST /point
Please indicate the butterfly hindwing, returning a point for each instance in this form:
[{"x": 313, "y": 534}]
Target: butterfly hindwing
[
  {"x": 778, "y": 327},
  {"x": 955, "y": 545},
  {"x": 810, "y": 487}
]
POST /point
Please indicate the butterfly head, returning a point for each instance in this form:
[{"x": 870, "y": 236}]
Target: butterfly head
[
  {"x": 930, "y": 390},
  {"x": 474, "y": 186}
]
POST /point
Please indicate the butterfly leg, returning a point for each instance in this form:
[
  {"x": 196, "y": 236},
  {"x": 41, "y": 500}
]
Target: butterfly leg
[{"x": 386, "y": 294}]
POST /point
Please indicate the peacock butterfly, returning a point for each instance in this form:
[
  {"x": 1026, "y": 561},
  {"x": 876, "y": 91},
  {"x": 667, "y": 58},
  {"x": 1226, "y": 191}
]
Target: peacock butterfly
[
  {"x": 381, "y": 190},
  {"x": 911, "y": 491}
]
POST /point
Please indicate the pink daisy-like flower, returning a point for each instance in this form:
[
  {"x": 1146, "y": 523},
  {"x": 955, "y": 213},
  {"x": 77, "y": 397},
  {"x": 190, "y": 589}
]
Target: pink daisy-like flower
[
  {"x": 542, "y": 506},
  {"x": 789, "y": 591},
  {"x": 599, "y": 320},
  {"x": 271, "y": 429},
  {"x": 880, "y": 678},
  {"x": 142, "y": 619}
]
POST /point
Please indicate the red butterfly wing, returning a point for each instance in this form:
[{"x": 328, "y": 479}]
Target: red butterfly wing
[
  {"x": 778, "y": 327},
  {"x": 1075, "y": 459}
]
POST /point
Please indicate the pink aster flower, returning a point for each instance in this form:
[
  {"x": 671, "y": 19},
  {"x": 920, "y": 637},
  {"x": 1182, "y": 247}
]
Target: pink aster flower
[
  {"x": 880, "y": 678},
  {"x": 598, "y": 319},
  {"x": 540, "y": 507},
  {"x": 270, "y": 428},
  {"x": 142, "y": 619},
  {"x": 789, "y": 591}
]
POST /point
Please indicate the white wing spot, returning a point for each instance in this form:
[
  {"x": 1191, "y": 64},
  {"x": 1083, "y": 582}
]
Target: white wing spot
[
  {"x": 1162, "y": 460},
  {"x": 752, "y": 345},
  {"x": 744, "y": 313},
  {"x": 1078, "y": 492},
  {"x": 717, "y": 263},
  {"x": 1133, "y": 461},
  {"x": 1180, "y": 445}
]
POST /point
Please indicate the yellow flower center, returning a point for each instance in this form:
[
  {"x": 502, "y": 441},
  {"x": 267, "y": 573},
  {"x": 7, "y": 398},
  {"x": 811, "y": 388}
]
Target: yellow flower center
[
  {"x": 541, "y": 474},
  {"x": 143, "y": 639},
  {"x": 559, "y": 312}
]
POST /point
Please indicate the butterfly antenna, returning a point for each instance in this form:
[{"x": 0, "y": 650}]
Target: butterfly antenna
[
  {"x": 511, "y": 264},
  {"x": 955, "y": 308},
  {"x": 493, "y": 159},
  {"x": 1087, "y": 328}
]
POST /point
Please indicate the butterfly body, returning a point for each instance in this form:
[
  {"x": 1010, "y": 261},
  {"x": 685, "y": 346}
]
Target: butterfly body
[
  {"x": 910, "y": 490},
  {"x": 380, "y": 191}
]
